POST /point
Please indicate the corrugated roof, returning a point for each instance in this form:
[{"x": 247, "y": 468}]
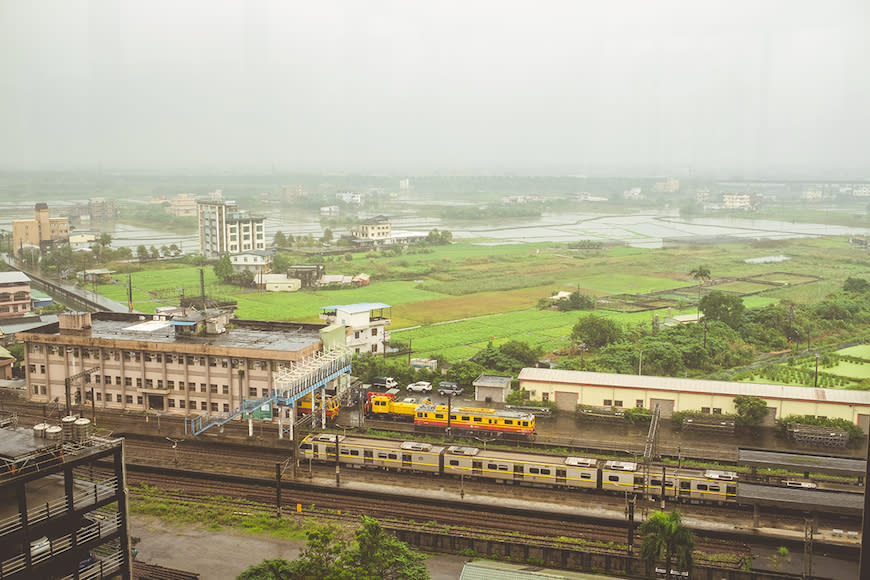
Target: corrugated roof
[
  {"x": 730, "y": 388},
  {"x": 357, "y": 308},
  {"x": 13, "y": 278}
]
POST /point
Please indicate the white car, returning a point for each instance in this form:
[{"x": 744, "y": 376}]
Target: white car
[{"x": 420, "y": 387}]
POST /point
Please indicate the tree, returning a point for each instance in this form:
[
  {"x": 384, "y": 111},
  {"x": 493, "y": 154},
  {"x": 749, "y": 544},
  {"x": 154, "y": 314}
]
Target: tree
[
  {"x": 665, "y": 538},
  {"x": 155, "y": 253},
  {"x": 463, "y": 373},
  {"x": 596, "y": 331},
  {"x": 751, "y": 411},
  {"x": 164, "y": 251},
  {"x": 856, "y": 285},
  {"x": 224, "y": 268},
  {"x": 173, "y": 249},
  {"x": 701, "y": 274},
  {"x": 327, "y": 236},
  {"x": 280, "y": 240},
  {"x": 105, "y": 240},
  {"x": 374, "y": 554},
  {"x": 281, "y": 263},
  {"x": 141, "y": 252},
  {"x": 727, "y": 308}
]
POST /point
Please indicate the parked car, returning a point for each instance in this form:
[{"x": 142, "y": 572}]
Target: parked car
[
  {"x": 448, "y": 388},
  {"x": 384, "y": 383},
  {"x": 420, "y": 387}
]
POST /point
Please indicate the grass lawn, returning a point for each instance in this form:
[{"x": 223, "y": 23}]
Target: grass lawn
[{"x": 850, "y": 370}]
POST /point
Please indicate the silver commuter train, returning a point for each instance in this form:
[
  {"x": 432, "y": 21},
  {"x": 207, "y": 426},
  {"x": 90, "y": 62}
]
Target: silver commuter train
[{"x": 522, "y": 468}]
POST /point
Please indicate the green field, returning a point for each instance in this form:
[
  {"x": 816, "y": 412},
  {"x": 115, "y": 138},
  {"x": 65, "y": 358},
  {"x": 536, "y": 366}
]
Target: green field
[
  {"x": 452, "y": 299},
  {"x": 857, "y": 351}
]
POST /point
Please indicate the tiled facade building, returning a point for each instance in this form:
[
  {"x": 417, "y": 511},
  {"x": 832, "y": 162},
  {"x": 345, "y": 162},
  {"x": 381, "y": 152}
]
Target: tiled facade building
[
  {"x": 185, "y": 366},
  {"x": 14, "y": 294},
  {"x": 43, "y": 231}
]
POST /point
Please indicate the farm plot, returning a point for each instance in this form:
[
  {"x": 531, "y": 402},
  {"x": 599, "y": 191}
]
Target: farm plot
[
  {"x": 742, "y": 287},
  {"x": 850, "y": 370},
  {"x": 857, "y": 351}
]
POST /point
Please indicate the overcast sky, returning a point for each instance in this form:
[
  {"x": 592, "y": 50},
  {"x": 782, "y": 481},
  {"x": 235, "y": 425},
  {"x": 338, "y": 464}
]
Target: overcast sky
[{"x": 747, "y": 88}]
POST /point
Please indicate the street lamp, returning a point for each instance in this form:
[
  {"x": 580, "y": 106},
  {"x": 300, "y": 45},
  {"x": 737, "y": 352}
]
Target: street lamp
[{"x": 816, "y": 379}]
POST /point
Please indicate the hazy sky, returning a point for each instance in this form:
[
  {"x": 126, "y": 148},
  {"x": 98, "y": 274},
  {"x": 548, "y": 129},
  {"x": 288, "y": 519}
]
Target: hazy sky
[{"x": 751, "y": 88}]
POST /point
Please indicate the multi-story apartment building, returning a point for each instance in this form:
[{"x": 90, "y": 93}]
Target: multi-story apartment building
[
  {"x": 180, "y": 365},
  {"x": 182, "y": 205},
  {"x": 43, "y": 231},
  {"x": 373, "y": 229},
  {"x": 14, "y": 294},
  {"x": 101, "y": 209},
  {"x": 225, "y": 229},
  {"x": 737, "y": 200},
  {"x": 367, "y": 322},
  {"x": 60, "y": 519}
]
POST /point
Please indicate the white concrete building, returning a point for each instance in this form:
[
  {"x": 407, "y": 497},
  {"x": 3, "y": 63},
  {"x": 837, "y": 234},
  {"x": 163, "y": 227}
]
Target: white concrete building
[
  {"x": 367, "y": 320},
  {"x": 225, "y": 229}
]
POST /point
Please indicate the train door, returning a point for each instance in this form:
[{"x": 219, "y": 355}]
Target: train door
[
  {"x": 518, "y": 472},
  {"x": 407, "y": 463},
  {"x": 476, "y": 468},
  {"x": 685, "y": 489},
  {"x": 560, "y": 476},
  {"x": 638, "y": 482},
  {"x": 368, "y": 458},
  {"x": 730, "y": 492}
]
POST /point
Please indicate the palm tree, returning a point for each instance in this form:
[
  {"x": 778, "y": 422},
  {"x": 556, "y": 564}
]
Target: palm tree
[
  {"x": 701, "y": 274},
  {"x": 665, "y": 538}
]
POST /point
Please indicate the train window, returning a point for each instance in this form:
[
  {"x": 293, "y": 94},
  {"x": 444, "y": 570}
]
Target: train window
[
  {"x": 545, "y": 472},
  {"x": 585, "y": 476},
  {"x": 354, "y": 452},
  {"x": 478, "y": 419},
  {"x": 492, "y": 466},
  {"x": 685, "y": 485},
  {"x": 714, "y": 488},
  {"x": 454, "y": 462},
  {"x": 525, "y": 423},
  {"x": 452, "y": 417},
  {"x": 345, "y": 452},
  {"x": 502, "y": 467},
  {"x": 534, "y": 470},
  {"x": 419, "y": 414},
  {"x": 702, "y": 487},
  {"x": 612, "y": 478},
  {"x": 305, "y": 446},
  {"x": 382, "y": 455},
  {"x": 655, "y": 482},
  {"x": 393, "y": 456},
  {"x": 508, "y": 421},
  {"x": 439, "y": 415},
  {"x": 329, "y": 449},
  {"x": 466, "y": 418}
]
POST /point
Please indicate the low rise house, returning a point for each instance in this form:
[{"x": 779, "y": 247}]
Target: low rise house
[
  {"x": 14, "y": 294},
  {"x": 491, "y": 388},
  {"x": 367, "y": 321}
]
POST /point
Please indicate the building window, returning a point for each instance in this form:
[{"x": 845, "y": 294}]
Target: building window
[
  {"x": 639, "y": 403},
  {"x": 118, "y": 398},
  {"x": 717, "y": 411},
  {"x": 139, "y": 400},
  {"x": 128, "y": 381},
  {"x": 705, "y": 409},
  {"x": 608, "y": 402},
  {"x": 213, "y": 388},
  {"x": 129, "y": 399},
  {"x": 374, "y": 348},
  {"x": 139, "y": 382},
  {"x": 171, "y": 403},
  {"x": 214, "y": 407},
  {"x": 225, "y": 389},
  {"x": 203, "y": 406},
  {"x": 149, "y": 383},
  {"x": 159, "y": 383},
  {"x": 226, "y": 407},
  {"x": 202, "y": 388},
  {"x": 182, "y": 403},
  {"x": 170, "y": 384},
  {"x": 191, "y": 386},
  {"x": 117, "y": 380},
  {"x": 98, "y": 378},
  {"x": 252, "y": 392},
  {"x": 374, "y": 331},
  {"x": 99, "y": 396},
  {"x": 617, "y": 404}
]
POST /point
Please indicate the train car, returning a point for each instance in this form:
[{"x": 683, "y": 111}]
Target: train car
[
  {"x": 386, "y": 407},
  {"x": 521, "y": 468},
  {"x": 362, "y": 452},
  {"x": 692, "y": 485},
  {"x": 622, "y": 476},
  {"x": 303, "y": 406},
  {"x": 476, "y": 419}
]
